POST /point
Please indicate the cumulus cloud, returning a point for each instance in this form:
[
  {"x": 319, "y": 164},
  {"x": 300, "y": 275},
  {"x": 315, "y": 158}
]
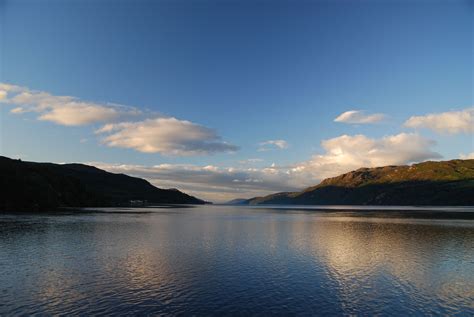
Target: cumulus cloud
[
  {"x": 63, "y": 110},
  {"x": 268, "y": 145},
  {"x": 168, "y": 136},
  {"x": 359, "y": 117},
  {"x": 341, "y": 154},
  {"x": 446, "y": 122},
  {"x": 10, "y": 88},
  {"x": 469, "y": 156},
  {"x": 346, "y": 153},
  {"x": 158, "y": 134}
]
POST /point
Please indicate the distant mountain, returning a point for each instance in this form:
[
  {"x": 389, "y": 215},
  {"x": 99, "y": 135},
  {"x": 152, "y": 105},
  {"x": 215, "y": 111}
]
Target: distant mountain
[
  {"x": 429, "y": 183},
  {"x": 237, "y": 201},
  {"x": 32, "y": 186}
]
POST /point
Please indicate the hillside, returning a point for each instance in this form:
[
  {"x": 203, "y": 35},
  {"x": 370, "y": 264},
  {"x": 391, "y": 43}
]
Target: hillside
[
  {"x": 32, "y": 186},
  {"x": 428, "y": 183},
  {"x": 237, "y": 201}
]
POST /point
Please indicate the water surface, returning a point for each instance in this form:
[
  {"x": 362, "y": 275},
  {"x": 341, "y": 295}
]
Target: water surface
[{"x": 216, "y": 260}]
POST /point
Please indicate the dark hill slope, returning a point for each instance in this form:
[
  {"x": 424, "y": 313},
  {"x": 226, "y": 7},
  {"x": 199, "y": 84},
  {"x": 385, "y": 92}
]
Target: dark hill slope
[
  {"x": 428, "y": 183},
  {"x": 38, "y": 186}
]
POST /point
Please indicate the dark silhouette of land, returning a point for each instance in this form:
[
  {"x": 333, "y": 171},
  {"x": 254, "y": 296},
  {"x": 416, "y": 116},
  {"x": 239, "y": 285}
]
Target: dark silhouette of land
[{"x": 29, "y": 186}]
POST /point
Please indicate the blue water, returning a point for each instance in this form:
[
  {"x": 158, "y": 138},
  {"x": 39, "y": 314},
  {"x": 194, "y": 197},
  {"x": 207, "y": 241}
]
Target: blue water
[{"x": 225, "y": 260}]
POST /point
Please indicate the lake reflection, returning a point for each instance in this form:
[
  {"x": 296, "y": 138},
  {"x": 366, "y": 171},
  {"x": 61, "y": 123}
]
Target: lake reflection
[{"x": 214, "y": 260}]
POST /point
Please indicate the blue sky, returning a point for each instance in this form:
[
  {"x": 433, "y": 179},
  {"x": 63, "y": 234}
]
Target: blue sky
[{"x": 227, "y": 76}]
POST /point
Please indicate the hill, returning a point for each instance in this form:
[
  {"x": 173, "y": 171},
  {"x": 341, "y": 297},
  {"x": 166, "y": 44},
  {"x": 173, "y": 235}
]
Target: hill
[
  {"x": 237, "y": 201},
  {"x": 428, "y": 183},
  {"x": 33, "y": 186}
]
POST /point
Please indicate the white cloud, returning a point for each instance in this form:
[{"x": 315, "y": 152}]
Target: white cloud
[
  {"x": 359, "y": 117},
  {"x": 251, "y": 161},
  {"x": 168, "y": 136},
  {"x": 208, "y": 182},
  {"x": 267, "y": 145},
  {"x": 342, "y": 154},
  {"x": 446, "y": 122},
  {"x": 18, "y": 110},
  {"x": 165, "y": 135},
  {"x": 469, "y": 156},
  {"x": 10, "y": 88},
  {"x": 346, "y": 153},
  {"x": 63, "y": 110},
  {"x": 80, "y": 114}
]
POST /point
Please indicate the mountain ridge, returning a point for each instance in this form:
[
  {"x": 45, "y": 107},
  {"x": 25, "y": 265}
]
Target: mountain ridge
[
  {"x": 427, "y": 183},
  {"x": 41, "y": 186}
]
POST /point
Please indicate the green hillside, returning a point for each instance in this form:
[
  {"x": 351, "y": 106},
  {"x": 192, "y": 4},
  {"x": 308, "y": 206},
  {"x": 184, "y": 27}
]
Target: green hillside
[{"x": 427, "y": 183}]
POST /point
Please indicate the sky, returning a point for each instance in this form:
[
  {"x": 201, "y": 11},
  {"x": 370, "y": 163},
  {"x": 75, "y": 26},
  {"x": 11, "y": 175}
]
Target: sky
[{"x": 234, "y": 99}]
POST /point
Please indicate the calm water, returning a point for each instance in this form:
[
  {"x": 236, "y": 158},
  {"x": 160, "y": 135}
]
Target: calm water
[{"x": 215, "y": 260}]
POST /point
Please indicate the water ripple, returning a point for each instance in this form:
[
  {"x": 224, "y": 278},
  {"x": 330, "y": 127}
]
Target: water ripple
[{"x": 215, "y": 260}]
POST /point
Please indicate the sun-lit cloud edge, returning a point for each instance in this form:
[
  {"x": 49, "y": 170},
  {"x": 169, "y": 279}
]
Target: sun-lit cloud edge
[
  {"x": 62, "y": 110},
  {"x": 359, "y": 117},
  {"x": 122, "y": 126},
  {"x": 341, "y": 154},
  {"x": 273, "y": 144},
  {"x": 450, "y": 122},
  {"x": 469, "y": 156},
  {"x": 168, "y": 136}
]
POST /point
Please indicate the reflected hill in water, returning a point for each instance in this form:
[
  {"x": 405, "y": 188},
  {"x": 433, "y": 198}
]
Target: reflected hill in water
[{"x": 225, "y": 260}]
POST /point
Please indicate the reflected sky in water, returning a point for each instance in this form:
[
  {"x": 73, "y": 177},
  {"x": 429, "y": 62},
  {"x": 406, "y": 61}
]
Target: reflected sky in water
[{"x": 214, "y": 260}]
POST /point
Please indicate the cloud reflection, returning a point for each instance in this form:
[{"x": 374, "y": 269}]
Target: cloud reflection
[{"x": 364, "y": 257}]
